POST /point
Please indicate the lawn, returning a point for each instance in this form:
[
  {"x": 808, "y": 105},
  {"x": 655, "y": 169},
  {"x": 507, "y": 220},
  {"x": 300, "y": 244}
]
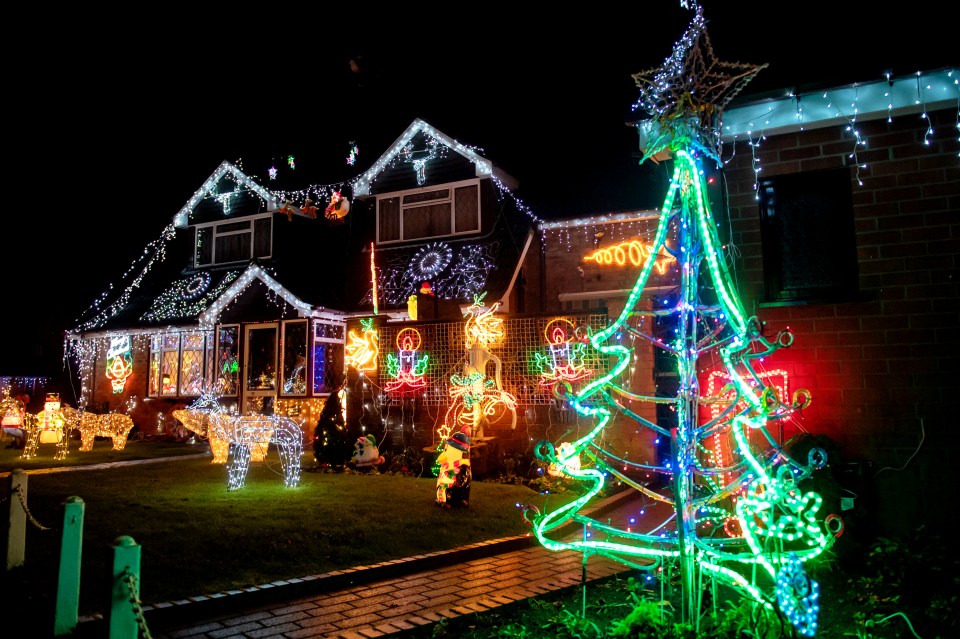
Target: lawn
[{"x": 197, "y": 537}]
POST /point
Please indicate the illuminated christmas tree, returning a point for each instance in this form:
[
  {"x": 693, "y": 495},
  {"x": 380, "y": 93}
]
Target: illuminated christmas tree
[{"x": 740, "y": 518}]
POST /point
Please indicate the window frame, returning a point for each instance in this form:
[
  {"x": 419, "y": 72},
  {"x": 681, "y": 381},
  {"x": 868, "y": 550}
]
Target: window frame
[
  {"x": 254, "y": 222},
  {"x": 162, "y": 344},
  {"x": 451, "y": 199},
  {"x": 839, "y": 278}
]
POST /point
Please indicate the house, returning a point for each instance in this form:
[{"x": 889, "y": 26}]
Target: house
[
  {"x": 228, "y": 302},
  {"x": 839, "y": 225}
]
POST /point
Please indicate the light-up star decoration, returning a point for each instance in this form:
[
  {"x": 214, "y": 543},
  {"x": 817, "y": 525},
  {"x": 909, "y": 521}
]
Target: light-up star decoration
[
  {"x": 686, "y": 95},
  {"x": 771, "y": 524},
  {"x": 272, "y": 171},
  {"x": 408, "y": 366}
]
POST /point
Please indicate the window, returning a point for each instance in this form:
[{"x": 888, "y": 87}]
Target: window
[
  {"x": 294, "y": 358},
  {"x": 226, "y": 380},
  {"x": 177, "y": 364},
  {"x": 808, "y": 237},
  {"x": 328, "y": 341},
  {"x": 234, "y": 241},
  {"x": 422, "y": 214}
]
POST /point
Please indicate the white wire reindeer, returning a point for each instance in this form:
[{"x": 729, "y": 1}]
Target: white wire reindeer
[{"x": 246, "y": 433}]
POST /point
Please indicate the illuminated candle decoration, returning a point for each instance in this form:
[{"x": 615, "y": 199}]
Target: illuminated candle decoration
[
  {"x": 633, "y": 252},
  {"x": 564, "y": 359},
  {"x": 362, "y": 351},
  {"x": 119, "y": 363},
  {"x": 778, "y": 526},
  {"x": 373, "y": 279},
  {"x": 408, "y": 366}
]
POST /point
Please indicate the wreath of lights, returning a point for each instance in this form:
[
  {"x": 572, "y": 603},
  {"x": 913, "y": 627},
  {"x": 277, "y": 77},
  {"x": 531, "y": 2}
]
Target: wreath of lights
[
  {"x": 196, "y": 287},
  {"x": 430, "y": 261}
]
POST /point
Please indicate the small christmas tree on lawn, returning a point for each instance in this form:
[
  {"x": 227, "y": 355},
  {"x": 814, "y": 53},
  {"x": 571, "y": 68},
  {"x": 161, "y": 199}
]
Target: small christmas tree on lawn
[{"x": 740, "y": 517}]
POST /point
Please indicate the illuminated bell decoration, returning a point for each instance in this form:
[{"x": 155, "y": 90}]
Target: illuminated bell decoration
[{"x": 119, "y": 363}]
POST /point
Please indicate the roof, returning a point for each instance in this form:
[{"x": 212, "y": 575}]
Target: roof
[{"x": 317, "y": 266}]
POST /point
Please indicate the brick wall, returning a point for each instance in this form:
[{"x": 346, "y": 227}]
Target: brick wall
[{"x": 879, "y": 368}]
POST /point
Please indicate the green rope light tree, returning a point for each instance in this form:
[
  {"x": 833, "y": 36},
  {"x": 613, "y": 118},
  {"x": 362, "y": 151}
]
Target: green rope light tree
[{"x": 771, "y": 526}]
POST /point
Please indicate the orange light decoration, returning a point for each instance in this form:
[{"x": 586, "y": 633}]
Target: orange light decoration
[
  {"x": 47, "y": 427},
  {"x": 633, "y": 252},
  {"x": 408, "y": 367},
  {"x": 116, "y": 426},
  {"x": 373, "y": 278},
  {"x": 483, "y": 329},
  {"x": 564, "y": 361},
  {"x": 476, "y": 399},
  {"x": 361, "y": 352},
  {"x": 119, "y": 363}
]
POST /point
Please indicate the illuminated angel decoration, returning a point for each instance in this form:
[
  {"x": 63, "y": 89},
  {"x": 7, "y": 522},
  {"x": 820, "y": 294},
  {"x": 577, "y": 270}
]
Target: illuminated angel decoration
[{"x": 362, "y": 351}]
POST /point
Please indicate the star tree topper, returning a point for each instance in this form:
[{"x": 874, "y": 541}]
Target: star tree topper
[{"x": 687, "y": 93}]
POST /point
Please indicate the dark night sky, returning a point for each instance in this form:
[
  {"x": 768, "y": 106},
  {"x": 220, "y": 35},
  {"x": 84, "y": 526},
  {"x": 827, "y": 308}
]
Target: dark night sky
[{"x": 113, "y": 127}]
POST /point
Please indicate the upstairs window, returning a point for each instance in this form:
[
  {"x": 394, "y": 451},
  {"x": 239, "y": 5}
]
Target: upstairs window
[
  {"x": 808, "y": 237},
  {"x": 234, "y": 241},
  {"x": 422, "y": 214}
]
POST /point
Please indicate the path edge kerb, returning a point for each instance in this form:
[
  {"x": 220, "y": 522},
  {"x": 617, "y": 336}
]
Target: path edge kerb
[{"x": 173, "y": 613}]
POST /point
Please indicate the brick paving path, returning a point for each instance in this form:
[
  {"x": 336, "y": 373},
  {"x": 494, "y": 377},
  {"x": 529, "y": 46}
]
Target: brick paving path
[{"x": 422, "y": 594}]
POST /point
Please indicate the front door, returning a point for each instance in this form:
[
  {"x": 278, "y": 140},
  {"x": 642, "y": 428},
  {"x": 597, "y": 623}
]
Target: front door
[{"x": 260, "y": 369}]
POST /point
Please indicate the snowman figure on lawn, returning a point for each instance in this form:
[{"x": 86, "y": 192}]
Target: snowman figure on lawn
[{"x": 366, "y": 454}]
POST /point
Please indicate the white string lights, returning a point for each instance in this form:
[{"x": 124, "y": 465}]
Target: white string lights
[{"x": 850, "y": 105}]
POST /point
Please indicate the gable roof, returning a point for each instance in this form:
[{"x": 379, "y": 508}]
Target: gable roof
[
  {"x": 181, "y": 219},
  {"x": 483, "y": 166}
]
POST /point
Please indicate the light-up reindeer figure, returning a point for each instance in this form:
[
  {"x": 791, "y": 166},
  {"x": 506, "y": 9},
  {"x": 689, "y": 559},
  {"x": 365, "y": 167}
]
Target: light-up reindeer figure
[
  {"x": 196, "y": 419},
  {"x": 476, "y": 398},
  {"x": 420, "y": 163}
]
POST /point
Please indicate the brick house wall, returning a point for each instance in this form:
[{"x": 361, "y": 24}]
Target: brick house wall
[{"x": 879, "y": 366}]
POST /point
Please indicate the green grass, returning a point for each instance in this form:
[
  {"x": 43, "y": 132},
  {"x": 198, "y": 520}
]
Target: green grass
[{"x": 197, "y": 537}]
